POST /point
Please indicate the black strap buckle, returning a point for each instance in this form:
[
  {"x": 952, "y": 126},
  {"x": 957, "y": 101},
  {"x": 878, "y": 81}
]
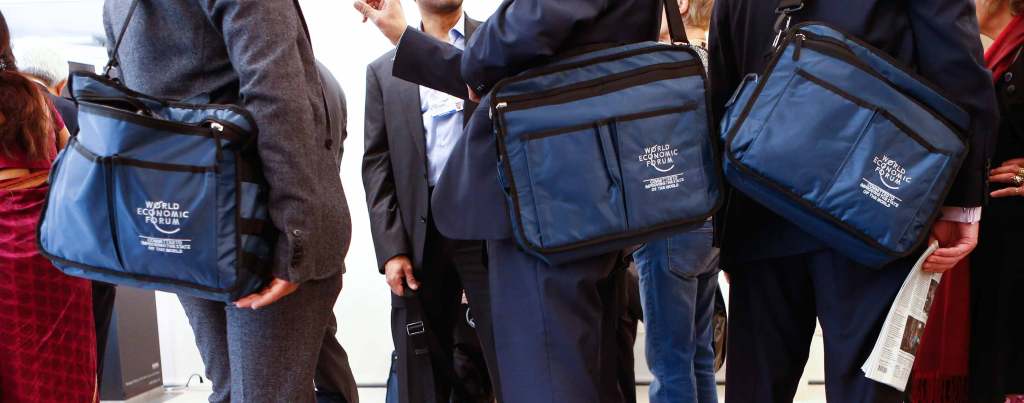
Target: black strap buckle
[{"x": 415, "y": 328}]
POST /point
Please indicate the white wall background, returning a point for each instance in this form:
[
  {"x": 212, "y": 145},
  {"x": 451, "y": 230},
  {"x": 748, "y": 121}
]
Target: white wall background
[{"x": 346, "y": 45}]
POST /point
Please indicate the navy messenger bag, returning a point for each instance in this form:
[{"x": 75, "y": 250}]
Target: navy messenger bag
[
  {"x": 843, "y": 142},
  {"x": 608, "y": 148},
  {"x": 158, "y": 194}
]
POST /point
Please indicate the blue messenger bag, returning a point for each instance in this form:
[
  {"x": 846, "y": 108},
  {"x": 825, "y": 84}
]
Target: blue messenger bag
[
  {"x": 839, "y": 139},
  {"x": 158, "y": 194},
  {"x": 607, "y": 148}
]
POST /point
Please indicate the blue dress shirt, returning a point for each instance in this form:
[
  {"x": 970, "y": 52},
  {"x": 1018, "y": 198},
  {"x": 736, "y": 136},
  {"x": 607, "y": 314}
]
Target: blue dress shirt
[{"x": 442, "y": 116}]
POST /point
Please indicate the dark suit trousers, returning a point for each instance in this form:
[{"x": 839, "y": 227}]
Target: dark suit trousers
[
  {"x": 449, "y": 266},
  {"x": 772, "y": 311},
  {"x": 555, "y": 326}
]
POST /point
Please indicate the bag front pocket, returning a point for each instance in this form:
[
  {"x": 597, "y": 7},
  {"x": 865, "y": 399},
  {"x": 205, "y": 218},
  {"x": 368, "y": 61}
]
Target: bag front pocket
[
  {"x": 77, "y": 226},
  {"x": 575, "y": 185},
  {"x": 661, "y": 155},
  {"x": 166, "y": 222},
  {"x": 887, "y": 184}
]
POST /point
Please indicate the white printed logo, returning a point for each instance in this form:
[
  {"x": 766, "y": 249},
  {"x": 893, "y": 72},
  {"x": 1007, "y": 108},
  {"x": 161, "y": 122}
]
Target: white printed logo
[
  {"x": 662, "y": 158},
  {"x": 892, "y": 175},
  {"x": 890, "y": 172},
  {"x": 167, "y": 218}
]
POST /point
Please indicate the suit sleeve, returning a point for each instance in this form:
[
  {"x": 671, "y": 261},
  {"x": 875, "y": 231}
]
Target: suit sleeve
[
  {"x": 422, "y": 60},
  {"x": 389, "y": 236},
  {"x": 265, "y": 41},
  {"x": 520, "y": 34},
  {"x": 723, "y": 65},
  {"x": 950, "y": 55}
]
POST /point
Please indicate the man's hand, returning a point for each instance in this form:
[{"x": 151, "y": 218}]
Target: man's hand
[
  {"x": 387, "y": 15},
  {"x": 270, "y": 294},
  {"x": 397, "y": 272},
  {"x": 956, "y": 241}
]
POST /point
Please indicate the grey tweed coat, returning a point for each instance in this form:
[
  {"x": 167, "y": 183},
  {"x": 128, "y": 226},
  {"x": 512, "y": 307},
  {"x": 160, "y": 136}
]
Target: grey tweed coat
[{"x": 256, "y": 54}]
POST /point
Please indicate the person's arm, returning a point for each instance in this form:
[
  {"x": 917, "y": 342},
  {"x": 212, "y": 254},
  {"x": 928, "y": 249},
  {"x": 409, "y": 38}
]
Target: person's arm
[
  {"x": 386, "y": 227},
  {"x": 263, "y": 41},
  {"x": 423, "y": 60},
  {"x": 520, "y": 34},
  {"x": 949, "y": 53}
]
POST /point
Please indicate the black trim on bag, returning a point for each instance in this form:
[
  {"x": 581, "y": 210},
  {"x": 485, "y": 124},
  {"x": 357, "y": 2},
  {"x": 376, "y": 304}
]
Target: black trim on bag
[
  {"x": 499, "y": 122},
  {"x": 117, "y": 273},
  {"x": 512, "y": 193},
  {"x": 604, "y": 85},
  {"x": 148, "y": 121},
  {"x": 887, "y": 57},
  {"x": 134, "y": 94},
  {"x": 866, "y": 105},
  {"x": 636, "y": 116},
  {"x": 838, "y": 50},
  {"x": 542, "y": 71},
  {"x": 118, "y": 160},
  {"x": 799, "y": 200}
]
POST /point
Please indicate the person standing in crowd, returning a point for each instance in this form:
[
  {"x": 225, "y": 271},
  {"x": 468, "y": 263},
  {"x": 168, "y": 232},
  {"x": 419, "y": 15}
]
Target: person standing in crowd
[
  {"x": 256, "y": 54},
  {"x": 782, "y": 278},
  {"x": 47, "y": 68},
  {"x": 410, "y": 133},
  {"x": 47, "y": 343},
  {"x": 333, "y": 379},
  {"x": 997, "y": 353},
  {"x": 554, "y": 325},
  {"x": 678, "y": 282}
]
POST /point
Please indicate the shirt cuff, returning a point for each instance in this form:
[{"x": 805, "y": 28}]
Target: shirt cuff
[{"x": 967, "y": 215}]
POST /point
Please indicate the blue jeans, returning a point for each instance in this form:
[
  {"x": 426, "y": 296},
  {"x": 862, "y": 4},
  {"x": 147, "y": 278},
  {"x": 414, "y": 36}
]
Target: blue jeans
[{"x": 678, "y": 281}]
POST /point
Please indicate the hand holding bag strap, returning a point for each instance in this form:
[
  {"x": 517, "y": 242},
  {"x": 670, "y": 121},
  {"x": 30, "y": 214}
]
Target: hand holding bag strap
[
  {"x": 676, "y": 28},
  {"x": 114, "y": 60}
]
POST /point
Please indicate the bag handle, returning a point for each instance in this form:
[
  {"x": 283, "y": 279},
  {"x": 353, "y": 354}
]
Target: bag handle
[
  {"x": 114, "y": 60},
  {"x": 676, "y": 28}
]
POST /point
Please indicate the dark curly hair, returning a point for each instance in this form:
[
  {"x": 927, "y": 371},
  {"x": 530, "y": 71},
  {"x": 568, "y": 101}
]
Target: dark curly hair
[
  {"x": 26, "y": 128},
  {"x": 6, "y": 53},
  {"x": 1016, "y": 6}
]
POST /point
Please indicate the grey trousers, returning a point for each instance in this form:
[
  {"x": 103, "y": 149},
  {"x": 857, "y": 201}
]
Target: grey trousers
[{"x": 266, "y": 355}]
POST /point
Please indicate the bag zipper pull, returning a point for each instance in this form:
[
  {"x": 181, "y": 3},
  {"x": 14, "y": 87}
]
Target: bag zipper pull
[
  {"x": 499, "y": 106},
  {"x": 800, "y": 38}
]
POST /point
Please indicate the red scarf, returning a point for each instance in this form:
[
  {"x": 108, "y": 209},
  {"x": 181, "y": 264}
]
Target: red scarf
[
  {"x": 940, "y": 370},
  {"x": 1006, "y": 48}
]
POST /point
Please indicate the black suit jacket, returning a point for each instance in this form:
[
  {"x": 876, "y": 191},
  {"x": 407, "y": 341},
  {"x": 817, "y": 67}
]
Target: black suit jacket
[
  {"x": 468, "y": 200},
  {"x": 395, "y": 161},
  {"x": 938, "y": 38}
]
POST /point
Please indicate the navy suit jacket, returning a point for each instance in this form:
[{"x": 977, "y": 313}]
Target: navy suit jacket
[
  {"x": 468, "y": 202},
  {"x": 937, "y": 38}
]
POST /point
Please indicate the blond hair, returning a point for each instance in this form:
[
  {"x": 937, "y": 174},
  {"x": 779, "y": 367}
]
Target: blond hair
[{"x": 699, "y": 15}]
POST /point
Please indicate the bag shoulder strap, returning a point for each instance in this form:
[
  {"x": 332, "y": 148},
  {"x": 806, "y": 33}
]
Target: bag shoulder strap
[
  {"x": 114, "y": 60},
  {"x": 676, "y": 28}
]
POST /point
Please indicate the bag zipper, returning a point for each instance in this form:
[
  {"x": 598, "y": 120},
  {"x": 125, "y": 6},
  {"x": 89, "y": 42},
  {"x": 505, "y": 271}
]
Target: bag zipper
[
  {"x": 600, "y": 86},
  {"x": 839, "y": 50}
]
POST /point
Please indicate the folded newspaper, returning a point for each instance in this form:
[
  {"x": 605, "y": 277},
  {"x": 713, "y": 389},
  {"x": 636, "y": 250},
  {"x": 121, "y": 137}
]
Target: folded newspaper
[{"x": 892, "y": 358}]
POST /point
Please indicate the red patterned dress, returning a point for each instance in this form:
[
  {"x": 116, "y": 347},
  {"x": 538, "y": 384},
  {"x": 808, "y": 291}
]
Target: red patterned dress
[{"x": 47, "y": 335}]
